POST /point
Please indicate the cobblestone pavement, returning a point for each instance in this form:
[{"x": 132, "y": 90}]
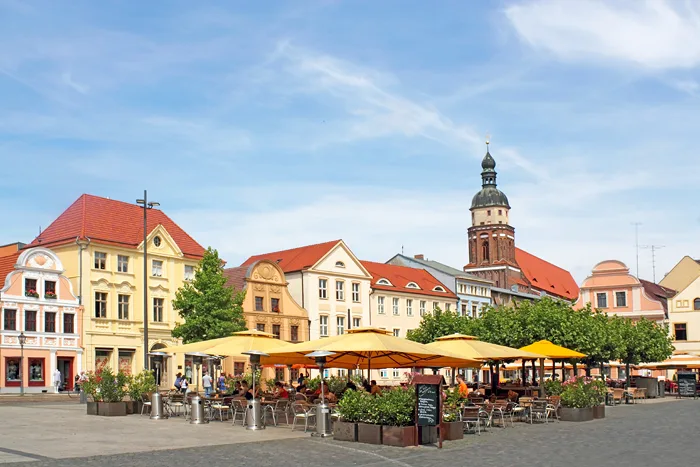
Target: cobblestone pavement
[{"x": 636, "y": 435}]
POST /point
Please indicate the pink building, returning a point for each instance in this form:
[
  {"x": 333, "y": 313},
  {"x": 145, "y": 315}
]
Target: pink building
[
  {"x": 37, "y": 300},
  {"x": 612, "y": 289}
]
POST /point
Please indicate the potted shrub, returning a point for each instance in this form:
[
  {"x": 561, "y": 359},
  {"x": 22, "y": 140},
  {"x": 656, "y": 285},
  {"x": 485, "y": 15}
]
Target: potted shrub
[
  {"x": 395, "y": 410},
  {"x": 452, "y": 428},
  {"x": 368, "y": 428},
  {"x": 89, "y": 387},
  {"x": 578, "y": 398},
  {"x": 350, "y": 410},
  {"x": 137, "y": 385},
  {"x": 111, "y": 389}
]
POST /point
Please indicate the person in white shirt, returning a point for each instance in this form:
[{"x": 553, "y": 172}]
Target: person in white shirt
[
  {"x": 207, "y": 384},
  {"x": 57, "y": 380}
]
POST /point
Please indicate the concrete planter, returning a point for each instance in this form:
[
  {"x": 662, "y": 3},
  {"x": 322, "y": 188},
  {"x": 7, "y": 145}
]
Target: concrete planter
[
  {"x": 111, "y": 409},
  {"x": 569, "y": 414},
  {"x": 400, "y": 436},
  {"x": 453, "y": 431},
  {"x": 345, "y": 431},
  {"x": 92, "y": 408},
  {"x": 370, "y": 434},
  {"x": 599, "y": 411}
]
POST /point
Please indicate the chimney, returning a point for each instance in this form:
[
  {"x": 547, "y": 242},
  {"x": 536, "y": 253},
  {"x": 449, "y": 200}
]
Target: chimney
[{"x": 419, "y": 257}]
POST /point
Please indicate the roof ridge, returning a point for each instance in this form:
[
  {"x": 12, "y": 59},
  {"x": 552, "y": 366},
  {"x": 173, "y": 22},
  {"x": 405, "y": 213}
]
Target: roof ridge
[
  {"x": 299, "y": 247},
  {"x": 543, "y": 260}
]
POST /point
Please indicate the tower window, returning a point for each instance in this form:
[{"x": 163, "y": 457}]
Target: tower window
[
  {"x": 500, "y": 212},
  {"x": 485, "y": 250},
  {"x": 488, "y": 212}
]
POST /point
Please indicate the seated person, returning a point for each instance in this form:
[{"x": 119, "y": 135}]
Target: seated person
[
  {"x": 374, "y": 389},
  {"x": 332, "y": 398},
  {"x": 280, "y": 391},
  {"x": 246, "y": 391},
  {"x": 351, "y": 386}
]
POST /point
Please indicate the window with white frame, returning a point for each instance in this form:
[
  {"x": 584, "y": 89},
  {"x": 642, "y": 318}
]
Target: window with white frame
[
  {"x": 339, "y": 290},
  {"x": 621, "y": 299},
  {"x": 383, "y": 282},
  {"x": 447, "y": 306},
  {"x": 422, "y": 308},
  {"x": 157, "y": 268},
  {"x": 189, "y": 272},
  {"x": 397, "y": 332},
  {"x": 475, "y": 311},
  {"x": 464, "y": 309},
  {"x": 100, "y": 305},
  {"x": 436, "y": 305},
  {"x": 409, "y": 307},
  {"x": 100, "y": 260},
  {"x": 601, "y": 300},
  {"x": 122, "y": 263},
  {"x": 395, "y": 306},
  {"x": 123, "y": 306},
  {"x": 356, "y": 323},
  {"x": 395, "y": 373},
  {"x": 380, "y": 305},
  {"x": 356, "y": 292},
  {"x": 339, "y": 264},
  {"x": 384, "y": 374},
  {"x": 323, "y": 325},
  {"x": 323, "y": 288},
  {"x": 340, "y": 321},
  {"x": 158, "y": 310}
]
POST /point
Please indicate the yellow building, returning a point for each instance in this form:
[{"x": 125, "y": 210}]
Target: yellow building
[
  {"x": 684, "y": 306},
  {"x": 682, "y": 274},
  {"x": 100, "y": 244}
]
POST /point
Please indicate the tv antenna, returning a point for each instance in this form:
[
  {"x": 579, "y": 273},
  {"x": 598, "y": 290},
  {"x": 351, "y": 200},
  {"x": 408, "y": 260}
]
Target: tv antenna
[
  {"x": 636, "y": 243},
  {"x": 653, "y": 249}
]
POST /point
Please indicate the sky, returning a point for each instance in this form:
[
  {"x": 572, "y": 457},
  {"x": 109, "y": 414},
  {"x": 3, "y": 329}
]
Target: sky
[{"x": 262, "y": 126}]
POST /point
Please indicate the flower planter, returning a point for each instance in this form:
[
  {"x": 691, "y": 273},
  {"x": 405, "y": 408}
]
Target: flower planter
[
  {"x": 111, "y": 409},
  {"x": 453, "y": 431},
  {"x": 92, "y": 408},
  {"x": 400, "y": 436},
  {"x": 345, "y": 431},
  {"x": 50, "y": 297},
  {"x": 569, "y": 414},
  {"x": 599, "y": 411},
  {"x": 370, "y": 434},
  {"x": 427, "y": 435}
]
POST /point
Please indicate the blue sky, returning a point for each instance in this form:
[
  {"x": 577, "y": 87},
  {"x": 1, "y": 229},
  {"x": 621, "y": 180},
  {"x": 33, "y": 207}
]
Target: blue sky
[{"x": 267, "y": 125}]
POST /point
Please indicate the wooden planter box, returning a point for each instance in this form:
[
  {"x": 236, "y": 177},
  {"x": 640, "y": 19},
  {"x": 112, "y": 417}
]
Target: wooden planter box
[
  {"x": 400, "y": 436},
  {"x": 370, "y": 434},
  {"x": 111, "y": 409},
  {"x": 569, "y": 414},
  {"x": 453, "y": 430},
  {"x": 92, "y": 408},
  {"x": 599, "y": 411},
  {"x": 345, "y": 431}
]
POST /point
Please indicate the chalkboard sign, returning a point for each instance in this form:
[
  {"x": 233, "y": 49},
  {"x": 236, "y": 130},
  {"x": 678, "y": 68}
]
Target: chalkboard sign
[
  {"x": 428, "y": 413},
  {"x": 686, "y": 384}
]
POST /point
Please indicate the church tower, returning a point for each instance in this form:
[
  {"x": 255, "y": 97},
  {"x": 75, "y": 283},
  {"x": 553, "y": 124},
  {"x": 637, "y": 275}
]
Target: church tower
[{"x": 491, "y": 238}]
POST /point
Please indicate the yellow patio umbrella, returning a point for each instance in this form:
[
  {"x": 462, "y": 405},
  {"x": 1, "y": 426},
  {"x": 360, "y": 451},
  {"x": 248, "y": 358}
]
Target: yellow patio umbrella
[
  {"x": 231, "y": 346},
  {"x": 368, "y": 348},
  {"x": 472, "y": 348},
  {"x": 552, "y": 351},
  {"x": 677, "y": 361},
  {"x": 194, "y": 346}
]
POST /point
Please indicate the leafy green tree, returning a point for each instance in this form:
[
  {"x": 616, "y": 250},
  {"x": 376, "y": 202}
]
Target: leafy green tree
[
  {"x": 643, "y": 341},
  {"x": 441, "y": 323},
  {"x": 210, "y": 308}
]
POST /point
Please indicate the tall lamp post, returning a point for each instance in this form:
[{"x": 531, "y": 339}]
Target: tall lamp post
[
  {"x": 146, "y": 206},
  {"x": 22, "y": 340}
]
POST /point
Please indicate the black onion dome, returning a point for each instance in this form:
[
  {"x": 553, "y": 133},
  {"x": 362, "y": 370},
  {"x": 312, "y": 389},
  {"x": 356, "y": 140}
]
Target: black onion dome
[{"x": 490, "y": 196}]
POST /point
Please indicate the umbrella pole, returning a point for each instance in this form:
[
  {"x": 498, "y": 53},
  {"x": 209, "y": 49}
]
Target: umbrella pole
[
  {"x": 523, "y": 376},
  {"x": 542, "y": 377}
]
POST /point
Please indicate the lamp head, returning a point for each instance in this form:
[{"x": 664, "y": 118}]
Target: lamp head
[
  {"x": 255, "y": 356},
  {"x": 22, "y": 339},
  {"x": 320, "y": 356}
]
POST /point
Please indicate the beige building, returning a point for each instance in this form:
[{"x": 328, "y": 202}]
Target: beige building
[
  {"x": 684, "y": 306},
  {"x": 682, "y": 274}
]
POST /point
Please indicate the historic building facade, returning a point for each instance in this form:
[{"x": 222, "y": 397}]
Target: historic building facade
[
  {"x": 493, "y": 255},
  {"x": 38, "y": 303},
  {"x": 612, "y": 289},
  {"x": 684, "y": 305},
  {"x": 100, "y": 243}
]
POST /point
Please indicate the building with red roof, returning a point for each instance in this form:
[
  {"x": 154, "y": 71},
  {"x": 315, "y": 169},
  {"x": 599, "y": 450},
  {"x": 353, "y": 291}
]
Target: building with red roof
[{"x": 494, "y": 256}]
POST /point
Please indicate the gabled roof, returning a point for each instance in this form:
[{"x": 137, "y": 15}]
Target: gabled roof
[
  {"x": 658, "y": 292},
  {"x": 295, "y": 259},
  {"x": 545, "y": 276},
  {"x": 400, "y": 276},
  {"x": 235, "y": 277},
  {"x": 112, "y": 222},
  {"x": 438, "y": 266},
  {"x": 7, "y": 265}
]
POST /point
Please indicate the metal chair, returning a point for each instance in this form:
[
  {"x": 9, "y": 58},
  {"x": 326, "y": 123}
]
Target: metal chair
[
  {"x": 538, "y": 410},
  {"x": 553, "y": 407},
  {"x": 221, "y": 407},
  {"x": 239, "y": 406},
  {"x": 305, "y": 412},
  {"x": 281, "y": 407},
  {"x": 470, "y": 416},
  {"x": 146, "y": 403}
]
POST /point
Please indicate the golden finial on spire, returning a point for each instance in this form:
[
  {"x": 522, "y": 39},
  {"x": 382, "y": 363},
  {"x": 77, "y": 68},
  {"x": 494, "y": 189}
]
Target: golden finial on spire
[{"x": 488, "y": 140}]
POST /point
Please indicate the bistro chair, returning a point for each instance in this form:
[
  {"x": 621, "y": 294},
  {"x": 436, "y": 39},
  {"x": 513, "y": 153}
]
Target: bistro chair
[
  {"x": 239, "y": 407},
  {"x": 470, "y": 417},
  {"x": 304, "y": 412},
  {"x": 538, "y": 410},
  {"x": 146, "y": 404}
]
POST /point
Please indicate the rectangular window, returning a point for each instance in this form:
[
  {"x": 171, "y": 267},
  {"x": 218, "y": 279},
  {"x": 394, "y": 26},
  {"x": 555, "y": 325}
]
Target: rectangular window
[
  {"x": 602, "y": 300},
  {"x": 323, "y": 326},
  {"x": 158, "y": 310},
  {"x": 356, "y": 323},
  {"x": 380, "y": 305},
  {"x": 100, "y": 260},
  {"x": 356, "y": 292},
  {"x": 339, "y": 290},
  {"x": 341, "y": 325},
  {"x": 323, "y": 288},
  {"x": 69, "y": 323},
  {"x": 260, "y": 327},
  {"x": 259, "y": 304},
  {"x": 238, "y": 368},
  {"x": 189, "y": 272},
  {"x": 409, "y": 307},
  {"x": 436, "y": 305},
  {"x": 464, "y": 309},
  {"x": 422, "y": 308},
  {"x": 100, "y": 305},
  {"x": 157, "y": 268},
  {"x": 49, "y": 289},
  {"x": 123, "y": 306},
  {"x": 49, "y": 322},
  {"x": 397, "y": 332},
  {"x": 275, "y": 304},
  {"x": 10, "y": 321},
  {"x": 276, "y": 330},
  {"x": 620, "y": 299},
  {"x": 36, "y": 370},
  {"x": 30, "y": 321},
  {"x": 279, "y": 374},
  {"x": 395, "y": 373},
  {"x": 122, "y": 263},
  {"x": 30, "y": 288},
  {"x": 475, "y": 311},
  {"x": 293, "y": 374},
  {"x": 12, "y": 370},
  {"x": 383, "y": 374},
  {"x": 680, "y": 332},
  {"x": 447, "y": 306},
  {"x": 294, "y": 333},
  {"x": 395, "y": 306}
]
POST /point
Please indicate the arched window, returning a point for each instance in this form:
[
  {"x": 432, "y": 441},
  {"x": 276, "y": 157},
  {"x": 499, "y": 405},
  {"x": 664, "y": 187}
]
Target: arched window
[
  {"x": 412, "y": 285},
  {"x": 339, "y": 264},
  {"x": 438, "y": 288},
  {"x": 485, "y": 250},
  {"x": 696, "y": 304},
  {"x": 383, "y": 282}
]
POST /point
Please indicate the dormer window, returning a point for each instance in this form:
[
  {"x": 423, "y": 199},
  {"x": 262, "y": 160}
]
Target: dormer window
[
  {"x": 339, "y": 264},
  {"x": 383, "y": 282},
  {"x": 438, "y": 288},
  {"x": 412, "y": 285}
]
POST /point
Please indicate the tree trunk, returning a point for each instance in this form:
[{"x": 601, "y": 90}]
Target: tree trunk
[
  {"x": 523, "y": 374},
  {"x": 627, "y": 372}
]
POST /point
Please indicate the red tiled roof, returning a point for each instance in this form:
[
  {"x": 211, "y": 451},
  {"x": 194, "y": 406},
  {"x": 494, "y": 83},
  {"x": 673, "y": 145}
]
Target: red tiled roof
[
  {"x": 400, "y": 276},
  {"x": 546, "y": 276},
  {"x": 112, "y": 222},
  {"x": 658, "y": 292},
  {"x": 295, "y": 259},
  {"x": 235, "y": 277},
  {"x": 7, "y": 265}
]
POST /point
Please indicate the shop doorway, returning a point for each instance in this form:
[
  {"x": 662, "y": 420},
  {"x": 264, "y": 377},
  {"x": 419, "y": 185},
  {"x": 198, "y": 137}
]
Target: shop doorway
[
  {"x": 158, "y": 364},
  {"x": 65, "y": 366}
]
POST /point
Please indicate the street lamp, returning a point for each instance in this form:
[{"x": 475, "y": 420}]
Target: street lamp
[
  {"x": 146, "y": 206},
  {"x": 22, "y": 340}
]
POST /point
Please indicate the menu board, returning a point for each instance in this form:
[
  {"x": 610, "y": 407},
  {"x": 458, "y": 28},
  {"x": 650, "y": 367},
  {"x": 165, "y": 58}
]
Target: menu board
[
  {"x": 686, "y": 384},
  {"x": 428, "y": 404}
]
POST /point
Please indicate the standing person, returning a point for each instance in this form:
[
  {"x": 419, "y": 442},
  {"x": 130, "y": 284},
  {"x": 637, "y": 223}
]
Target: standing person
[
  {"x": 57, "y": 380},
  {"x": 300, "y": 379},
  {"x": 222, "y": 382},
  {"x": 184, "y": 386},
  {"x": 206, "y": 384},
  {"x": 463, "y": 388}
]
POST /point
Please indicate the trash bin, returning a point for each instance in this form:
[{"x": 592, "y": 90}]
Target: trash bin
[
  {"x": 253, "y": 416},
  {"x": 662, "y": 388},
  {"x": 197, "y": 416},
  {"x": 157, "y": 409}
]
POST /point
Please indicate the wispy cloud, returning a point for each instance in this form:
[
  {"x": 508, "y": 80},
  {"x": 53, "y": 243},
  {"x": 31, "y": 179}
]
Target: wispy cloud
[{"x": 68, "y": 80}]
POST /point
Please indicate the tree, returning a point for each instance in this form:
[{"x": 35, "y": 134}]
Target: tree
[
  {"x": 441, "y": 323},
  {"x": 210, "y": 308}
]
